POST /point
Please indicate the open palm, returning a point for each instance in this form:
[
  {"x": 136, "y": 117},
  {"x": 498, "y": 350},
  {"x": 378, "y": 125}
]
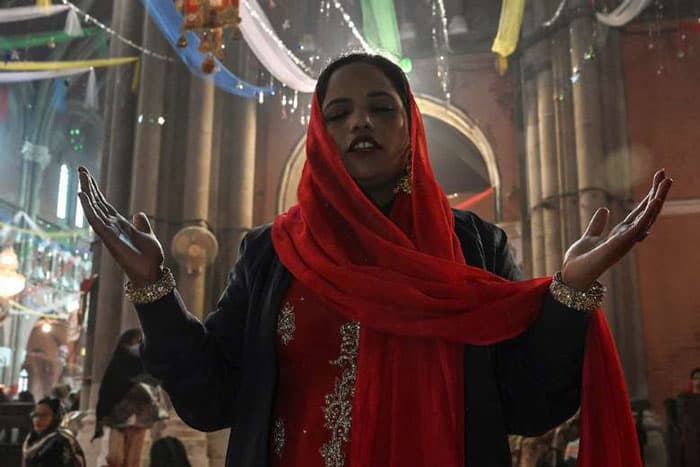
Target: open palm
[
  {"x": 596, "y": 251},
  {"x": 133, "y": 245}
]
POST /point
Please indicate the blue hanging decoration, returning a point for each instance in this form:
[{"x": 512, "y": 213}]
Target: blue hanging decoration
[
  {"x": 59, "y": 94},
  {"x": 165, "y": 15}
]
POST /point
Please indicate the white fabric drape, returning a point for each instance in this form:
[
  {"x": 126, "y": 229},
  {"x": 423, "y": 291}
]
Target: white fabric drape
[
  {"x": 623, "y": 14},
  {"x": 23, "y": 13},
  {"x": 23, "y": 76},
  {"x": 270, "y": 50}
]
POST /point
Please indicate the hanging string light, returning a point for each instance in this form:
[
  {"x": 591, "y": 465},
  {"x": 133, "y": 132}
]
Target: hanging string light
[
  {"x": 441, "y": 45},
  {"x": 263, "y": 24},
  {"x": 89, "y": 19},
  {"x": 351, "y": 24},
  {"x": 443, "y": 23}
]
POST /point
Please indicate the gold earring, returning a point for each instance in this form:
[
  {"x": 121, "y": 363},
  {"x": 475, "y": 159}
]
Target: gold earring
[{"x": 404, "y": 184}]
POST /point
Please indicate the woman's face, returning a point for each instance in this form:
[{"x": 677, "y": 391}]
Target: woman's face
[
  {"x": 366, "y": 118},
  {"x": 42, "y": 417}
]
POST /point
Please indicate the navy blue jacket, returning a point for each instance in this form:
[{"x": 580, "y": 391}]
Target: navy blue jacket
[{"x": 222, "y": 373}]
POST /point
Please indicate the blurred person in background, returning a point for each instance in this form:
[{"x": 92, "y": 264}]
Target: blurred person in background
[
  {"x": 169, "y": 452},
  {"x": 48, "y": 444},
  {"x": 129, "y": 402}
]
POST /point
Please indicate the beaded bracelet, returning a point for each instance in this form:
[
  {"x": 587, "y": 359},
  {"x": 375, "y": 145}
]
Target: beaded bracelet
[
  {"x": 152, "y": 292},
  {"x": 581, "y": 300}
]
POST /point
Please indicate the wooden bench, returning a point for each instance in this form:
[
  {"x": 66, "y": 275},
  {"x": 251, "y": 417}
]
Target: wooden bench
[{"x": 15, "y": 424}]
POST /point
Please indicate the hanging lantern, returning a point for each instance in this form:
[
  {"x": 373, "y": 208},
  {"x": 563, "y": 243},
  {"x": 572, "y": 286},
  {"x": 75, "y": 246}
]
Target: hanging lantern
[
  {"x": 208, "y": 18},
  {"x": 11, "y": 283}
]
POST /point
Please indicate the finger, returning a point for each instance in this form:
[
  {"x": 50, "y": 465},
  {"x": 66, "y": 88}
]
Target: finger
[
  {"x": 106, "y": 206},
  {"x": 638, "y": 209},
  {"x": 101, "y": 209},
  {"x": 142, "y": 223},
  {"x": 97, "y": 224},
  {"x": 658, "y": 178},
  {"x": 86, "y": 188},
  {"x": 643, "y": 223},
  {"x": 661, "y": 195},
  {"x": 598, "y": 223}
]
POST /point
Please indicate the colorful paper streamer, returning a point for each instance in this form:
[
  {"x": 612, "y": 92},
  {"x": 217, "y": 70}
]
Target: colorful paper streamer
[
  {"x": 509, "y": 26},
  {"x": 41, "y": 39},
  {"x": 624, "y": 13},
  {"x": 24, "y": 76},
  {"x": 270, "y": 50},
  {"x": 23, "y": 13},
  {"x": 65, "y": 65},
  {"x": 381, "y": 29}
]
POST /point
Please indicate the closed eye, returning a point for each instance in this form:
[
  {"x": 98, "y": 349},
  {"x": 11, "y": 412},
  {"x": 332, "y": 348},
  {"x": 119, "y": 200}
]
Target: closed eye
[{"x": 336, "y": 116}]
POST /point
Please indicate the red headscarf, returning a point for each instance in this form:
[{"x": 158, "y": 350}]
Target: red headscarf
[{"x": 404, "y": 278}]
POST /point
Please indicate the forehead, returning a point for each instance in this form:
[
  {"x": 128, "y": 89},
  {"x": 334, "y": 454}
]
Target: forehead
[
  {"x": 357, "y": 80},
  {"x": 43, "y": 408}
]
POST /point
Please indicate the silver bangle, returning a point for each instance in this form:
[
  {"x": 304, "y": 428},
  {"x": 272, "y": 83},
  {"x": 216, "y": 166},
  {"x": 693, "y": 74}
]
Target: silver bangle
[
  {"x": 581, "y": 300},
  {"x": 152, "y": 292}
]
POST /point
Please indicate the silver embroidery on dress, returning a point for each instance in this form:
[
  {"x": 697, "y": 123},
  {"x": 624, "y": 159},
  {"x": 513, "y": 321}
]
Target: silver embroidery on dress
[
  {"x": 285, "y": 323},
  {"x": 338, "y": 408},
  {"x": 278, "y": 437}
]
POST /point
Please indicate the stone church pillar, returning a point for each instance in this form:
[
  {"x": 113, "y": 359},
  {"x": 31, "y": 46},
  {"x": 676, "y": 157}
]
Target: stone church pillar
[{"x": 600, "y": 123}]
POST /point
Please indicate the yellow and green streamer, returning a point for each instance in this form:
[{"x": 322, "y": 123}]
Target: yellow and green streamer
[
  {"x": 509, "y": 26},
  {"x": 381, "y": 30}
]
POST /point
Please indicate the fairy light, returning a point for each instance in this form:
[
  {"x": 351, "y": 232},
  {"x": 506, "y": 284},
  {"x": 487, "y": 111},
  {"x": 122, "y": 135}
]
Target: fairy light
[
  {"x": 351, "y": 24},
  {"x": 443, "y": 23},
  {"x": 438, "y": 13},
  {"x": 115, "y": 34},
  {"x": 276, "y": 39}
]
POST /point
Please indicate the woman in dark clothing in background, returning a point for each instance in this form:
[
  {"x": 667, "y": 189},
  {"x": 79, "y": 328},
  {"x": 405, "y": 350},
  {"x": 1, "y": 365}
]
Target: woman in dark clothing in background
[
  {"x": 169, "y": 452},
  {"x": 437, "y": 350},
  {"x": 128, "y": 402},
  {"x": 49, "y": 445}
]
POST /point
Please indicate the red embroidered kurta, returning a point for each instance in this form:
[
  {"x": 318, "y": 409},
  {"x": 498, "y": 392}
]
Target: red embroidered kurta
[{"x": 317, "y": 355}]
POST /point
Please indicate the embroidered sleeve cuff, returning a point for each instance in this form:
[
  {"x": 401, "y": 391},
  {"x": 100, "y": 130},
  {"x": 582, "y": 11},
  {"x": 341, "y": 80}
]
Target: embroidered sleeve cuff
[{"x": 581, "y": 300}]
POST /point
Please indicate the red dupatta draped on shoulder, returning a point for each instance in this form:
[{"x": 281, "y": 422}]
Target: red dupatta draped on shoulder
[{"x": 404, "y": 279}]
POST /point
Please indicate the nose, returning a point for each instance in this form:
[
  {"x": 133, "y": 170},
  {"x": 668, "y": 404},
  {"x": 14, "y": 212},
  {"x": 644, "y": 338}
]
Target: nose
[{"x": 361, "y": 120}]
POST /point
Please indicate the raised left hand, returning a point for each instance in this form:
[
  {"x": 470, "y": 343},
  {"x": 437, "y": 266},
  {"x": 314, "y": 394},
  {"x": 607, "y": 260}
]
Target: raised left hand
[{"x": 596, "y": 251}]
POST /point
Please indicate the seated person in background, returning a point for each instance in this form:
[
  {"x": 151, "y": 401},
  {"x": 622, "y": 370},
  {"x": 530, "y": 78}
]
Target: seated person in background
[{"x": 48, "y": 444}]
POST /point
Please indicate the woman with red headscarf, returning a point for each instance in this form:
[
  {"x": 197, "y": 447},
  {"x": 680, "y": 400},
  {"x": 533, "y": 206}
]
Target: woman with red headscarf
[{"x": 371, "y": 325}]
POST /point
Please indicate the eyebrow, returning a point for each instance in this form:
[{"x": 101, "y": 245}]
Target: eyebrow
[{"x": 344, "y": 100}]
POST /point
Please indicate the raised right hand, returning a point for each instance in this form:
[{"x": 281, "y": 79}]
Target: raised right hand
[{"x": 132, "y": 244}]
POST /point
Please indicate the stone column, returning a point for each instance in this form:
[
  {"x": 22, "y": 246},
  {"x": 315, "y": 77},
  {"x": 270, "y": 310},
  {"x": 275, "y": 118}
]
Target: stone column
[
  {"x": 147, "y": 140},
  {"x": 621, "y": 304},
  {"x": 115, "y": 180},
  {"x": 590, "y": 157},
  {"x": 237, "y": 174},
  {"x": 116, "y": 183},
  {"x": 197, "y": 182},
  {"x": 593, "y": 191},
  {"x": 192, "y": 285},
  {"x": 235, "y": 199},
  {"x": 565, "y": 140},
  {"x": 624, "y": 274},
  {"x": 548, "y": 155},
  {"x": 531, "y": 58}
]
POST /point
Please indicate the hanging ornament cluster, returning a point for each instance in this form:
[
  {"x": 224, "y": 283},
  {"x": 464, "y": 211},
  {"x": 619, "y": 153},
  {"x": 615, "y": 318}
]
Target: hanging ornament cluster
[{"x": 208, "y": 18}]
